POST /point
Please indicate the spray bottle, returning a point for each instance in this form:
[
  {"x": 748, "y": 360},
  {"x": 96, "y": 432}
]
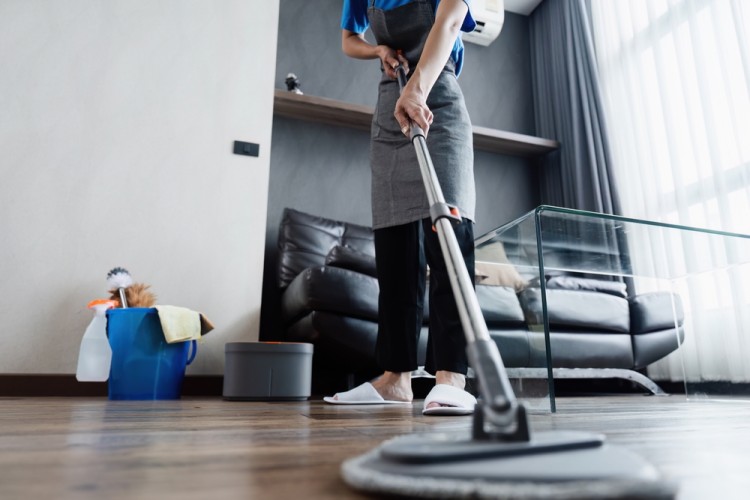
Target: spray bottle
[{"x": 95, "y": 354}]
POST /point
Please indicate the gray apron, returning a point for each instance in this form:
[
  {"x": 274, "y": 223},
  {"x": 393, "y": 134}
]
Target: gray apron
[{"x": 398, "y": 192}]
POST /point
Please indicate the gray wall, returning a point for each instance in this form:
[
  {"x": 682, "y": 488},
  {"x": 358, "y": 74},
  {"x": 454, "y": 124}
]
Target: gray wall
[{"x": 324, "y": 169}]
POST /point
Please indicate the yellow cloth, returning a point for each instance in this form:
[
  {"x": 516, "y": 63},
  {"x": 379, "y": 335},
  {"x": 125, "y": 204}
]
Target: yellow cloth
[{"x": 179, "y": 323}]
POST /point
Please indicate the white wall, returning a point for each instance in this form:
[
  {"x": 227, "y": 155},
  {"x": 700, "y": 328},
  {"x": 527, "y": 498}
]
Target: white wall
[{"x": 117, "y": 120}]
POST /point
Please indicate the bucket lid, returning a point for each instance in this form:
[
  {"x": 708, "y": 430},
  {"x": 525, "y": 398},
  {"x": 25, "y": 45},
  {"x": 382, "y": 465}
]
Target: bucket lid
[{"x": 269, "y": 347}]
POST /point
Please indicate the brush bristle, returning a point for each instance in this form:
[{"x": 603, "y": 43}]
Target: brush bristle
[{"x": 119, "y": 278}]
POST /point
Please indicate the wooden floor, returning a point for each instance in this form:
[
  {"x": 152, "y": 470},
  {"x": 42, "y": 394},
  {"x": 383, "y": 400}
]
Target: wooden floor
[{"x": 212, "y": 449}]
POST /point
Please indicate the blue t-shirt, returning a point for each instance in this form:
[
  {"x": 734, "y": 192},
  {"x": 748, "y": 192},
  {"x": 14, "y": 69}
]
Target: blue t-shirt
[{"x": 354, "y": 19}]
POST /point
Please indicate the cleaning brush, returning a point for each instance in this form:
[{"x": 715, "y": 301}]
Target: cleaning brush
[{"x": 120, "y": 279}]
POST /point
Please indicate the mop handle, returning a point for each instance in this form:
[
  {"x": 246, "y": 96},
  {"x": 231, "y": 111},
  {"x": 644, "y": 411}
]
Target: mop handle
[{"x": 481, "y": 349}]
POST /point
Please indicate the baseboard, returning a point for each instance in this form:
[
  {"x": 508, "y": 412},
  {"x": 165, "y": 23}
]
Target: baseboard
[{"x": 53, "y": 385}]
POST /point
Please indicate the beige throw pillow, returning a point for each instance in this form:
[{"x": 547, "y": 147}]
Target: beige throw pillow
[{"x": 499, "y": 274}]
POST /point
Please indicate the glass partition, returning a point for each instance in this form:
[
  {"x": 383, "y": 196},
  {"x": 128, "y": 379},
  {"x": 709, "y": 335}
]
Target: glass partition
[{"x": 606, "y": 296}]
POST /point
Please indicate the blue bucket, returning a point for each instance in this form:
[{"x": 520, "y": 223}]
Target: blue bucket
[{"x": 144, "y": 366}]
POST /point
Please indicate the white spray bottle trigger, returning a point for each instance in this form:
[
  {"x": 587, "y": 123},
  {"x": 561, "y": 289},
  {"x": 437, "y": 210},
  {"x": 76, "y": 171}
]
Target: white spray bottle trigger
[{"x": 95, "y": 354}]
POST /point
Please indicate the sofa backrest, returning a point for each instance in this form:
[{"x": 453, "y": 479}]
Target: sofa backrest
[{"x": 305, "y": 240}]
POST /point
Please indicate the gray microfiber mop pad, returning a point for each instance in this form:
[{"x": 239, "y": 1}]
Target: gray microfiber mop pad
[{"x": 369, "y": 473}]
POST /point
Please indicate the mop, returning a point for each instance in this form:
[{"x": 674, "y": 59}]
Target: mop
[{"x": 500, "y": 457}]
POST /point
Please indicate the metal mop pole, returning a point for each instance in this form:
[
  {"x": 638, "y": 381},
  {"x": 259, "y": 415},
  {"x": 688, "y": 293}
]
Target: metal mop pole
[
  {"x": 501, "y": 459},
  {"x": 498, "y": 416}
]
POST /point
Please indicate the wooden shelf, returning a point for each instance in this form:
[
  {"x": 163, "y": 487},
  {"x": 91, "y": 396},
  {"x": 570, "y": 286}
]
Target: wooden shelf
[{"x": 357, "y": 116}]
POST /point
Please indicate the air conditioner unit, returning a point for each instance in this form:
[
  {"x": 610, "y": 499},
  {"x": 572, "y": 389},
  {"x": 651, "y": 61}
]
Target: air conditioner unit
[{"x": 489, "y": 15}]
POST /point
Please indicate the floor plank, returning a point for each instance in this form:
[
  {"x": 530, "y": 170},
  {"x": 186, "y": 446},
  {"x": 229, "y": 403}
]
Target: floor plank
[{"x": 209, "y": 448}]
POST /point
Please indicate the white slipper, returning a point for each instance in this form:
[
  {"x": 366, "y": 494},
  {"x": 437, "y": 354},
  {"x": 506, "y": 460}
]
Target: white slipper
[
  {"x": 364, "y": 394},
  {"x": 459, "y": 401}
]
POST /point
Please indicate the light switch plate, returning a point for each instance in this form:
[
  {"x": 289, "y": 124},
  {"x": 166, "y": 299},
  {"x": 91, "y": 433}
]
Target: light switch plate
[{"x": 246, "y": 148}]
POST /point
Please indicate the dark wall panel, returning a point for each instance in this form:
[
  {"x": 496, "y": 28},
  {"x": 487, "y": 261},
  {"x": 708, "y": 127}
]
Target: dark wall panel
[
  {"x": 496, "y": 80},
  {"x": 324, "y": 170},
  {"x": 321, "y": 169},
  {"x": 310, "y": 47}
]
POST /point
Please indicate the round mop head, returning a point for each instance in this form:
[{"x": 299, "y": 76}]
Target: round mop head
[{"x": 532, "y": 471}]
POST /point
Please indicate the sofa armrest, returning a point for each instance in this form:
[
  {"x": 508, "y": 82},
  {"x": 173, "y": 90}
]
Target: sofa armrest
[
  {"x": 653, "y": 311},
  {"x": 330, "y": 289}
]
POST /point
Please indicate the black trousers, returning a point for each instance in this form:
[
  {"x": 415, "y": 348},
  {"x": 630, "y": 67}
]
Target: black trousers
[{"x": 402, "y": 253}]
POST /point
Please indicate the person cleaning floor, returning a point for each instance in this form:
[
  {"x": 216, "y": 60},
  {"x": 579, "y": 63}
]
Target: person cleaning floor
[{"x": 423, "y": 37}]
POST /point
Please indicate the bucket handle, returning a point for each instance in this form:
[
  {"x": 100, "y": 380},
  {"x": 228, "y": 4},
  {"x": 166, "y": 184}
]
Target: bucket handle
[{"x": 193, "y": 351}]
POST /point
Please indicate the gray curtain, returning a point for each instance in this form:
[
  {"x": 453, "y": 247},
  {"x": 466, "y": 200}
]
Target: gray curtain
[{"x": 568, "y": 108}]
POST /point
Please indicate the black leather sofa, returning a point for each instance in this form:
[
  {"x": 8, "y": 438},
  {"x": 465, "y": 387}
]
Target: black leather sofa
[{"x": 329, "y": 297}]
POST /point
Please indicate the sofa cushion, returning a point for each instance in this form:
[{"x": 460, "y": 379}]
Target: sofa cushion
[
  {"x": 499, "y": 274},
  {"x": 348, "y": 258},
  {"x": 331, "y": 289},
  {"x": 582, "y": 350},
  {"x": 513, "y": 344},
  {"x": 359, "y": 238},
  {"x": 499, "y": 306},
  {"x": 305, "y": 240},
  {"x": 577, "y": 309}
]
